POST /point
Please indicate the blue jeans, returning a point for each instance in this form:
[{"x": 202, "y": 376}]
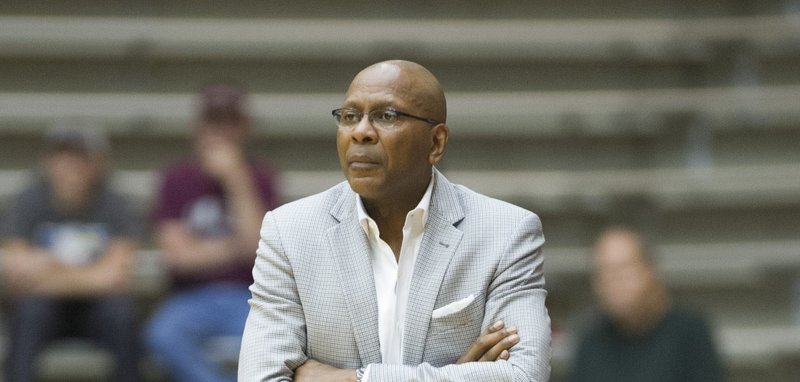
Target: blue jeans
[
  {"x": 179, "y": 330},
  {"x": 37, "y": 320}
]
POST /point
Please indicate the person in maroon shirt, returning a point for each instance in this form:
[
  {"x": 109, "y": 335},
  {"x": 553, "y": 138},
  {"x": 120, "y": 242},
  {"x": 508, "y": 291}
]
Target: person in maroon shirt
[{"x": 207, "y": 220}]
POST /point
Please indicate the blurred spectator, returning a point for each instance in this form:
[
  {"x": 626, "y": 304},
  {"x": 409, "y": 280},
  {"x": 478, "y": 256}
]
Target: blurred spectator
[
  {"x": 69, "y": 258},
  {"x": 640, "y": 335},
  {"x": 207, "y": 222}
]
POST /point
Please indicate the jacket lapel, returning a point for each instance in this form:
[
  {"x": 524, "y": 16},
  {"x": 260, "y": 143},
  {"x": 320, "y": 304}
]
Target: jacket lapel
[
  {"x": 350, "y": 249},
  {"x": 438, "y": 246}
]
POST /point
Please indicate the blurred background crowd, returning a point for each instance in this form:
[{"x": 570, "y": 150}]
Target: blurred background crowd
[{"x": 141, "y": 142}]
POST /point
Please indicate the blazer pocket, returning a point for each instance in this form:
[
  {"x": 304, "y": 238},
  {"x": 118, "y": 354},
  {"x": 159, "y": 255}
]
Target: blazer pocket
[
  {"x": 462, "y": 317},
  {"x": 453, "y": 307}
]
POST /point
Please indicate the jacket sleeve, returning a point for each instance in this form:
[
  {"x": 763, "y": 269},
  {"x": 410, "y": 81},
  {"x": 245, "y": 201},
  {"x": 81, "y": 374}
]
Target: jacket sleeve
[
  {"x": 274, "y": 339},
  {"x": 516, "y": 296}
]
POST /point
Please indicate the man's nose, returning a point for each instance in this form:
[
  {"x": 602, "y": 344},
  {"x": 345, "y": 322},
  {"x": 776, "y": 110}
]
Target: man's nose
[{"x": 364, "y": 131}]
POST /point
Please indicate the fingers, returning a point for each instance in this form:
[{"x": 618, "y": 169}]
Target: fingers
[
  {"x": 476, "y": 350},
  {"x": 482, "y": 344},
  {"x": 493, "y": 344},
  {"x": 495, "y": 327},
  {"x": 507, "y": 341}
]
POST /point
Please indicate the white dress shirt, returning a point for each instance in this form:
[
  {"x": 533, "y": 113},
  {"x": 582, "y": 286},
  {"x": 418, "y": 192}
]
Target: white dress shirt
[{"x": 393, "y": 278}]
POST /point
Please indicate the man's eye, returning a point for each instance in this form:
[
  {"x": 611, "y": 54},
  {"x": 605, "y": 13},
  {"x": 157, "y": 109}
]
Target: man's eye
[
  {"x": 349, "y": 116},
  {"x": 387, "y": 116}
]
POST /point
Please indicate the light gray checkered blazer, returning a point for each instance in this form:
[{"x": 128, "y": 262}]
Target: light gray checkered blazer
[{"x": 314, "y": 294}]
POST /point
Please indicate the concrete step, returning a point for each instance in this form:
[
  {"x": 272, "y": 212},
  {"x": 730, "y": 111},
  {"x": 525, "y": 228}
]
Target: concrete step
[
  {"x": 516, "y": 114},
  {"x": 687, "y": 39}
]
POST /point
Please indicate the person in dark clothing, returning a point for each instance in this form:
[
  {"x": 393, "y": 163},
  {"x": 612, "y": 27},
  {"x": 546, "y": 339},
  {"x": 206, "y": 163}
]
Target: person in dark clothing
[
  {"x": 640, "y": 335},
  {"x": 69, "y": 249}
]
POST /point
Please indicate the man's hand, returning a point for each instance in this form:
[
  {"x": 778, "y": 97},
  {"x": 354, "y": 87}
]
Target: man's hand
[
  {"x": 222, "y": 159},
  {"x": 314, "y": 371},
  {"x": 176, "y": 240},
  {"x": 114, "y": 272},
  {"x": 492, "y": 345},
  {"x": 23, "y": 270}
]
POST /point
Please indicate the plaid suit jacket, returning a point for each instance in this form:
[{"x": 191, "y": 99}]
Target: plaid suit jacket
[{"x": 314, "y": 294}]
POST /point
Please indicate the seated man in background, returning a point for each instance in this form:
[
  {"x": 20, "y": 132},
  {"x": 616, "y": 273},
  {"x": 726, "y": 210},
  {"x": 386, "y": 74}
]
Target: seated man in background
[
  {"x": 207, "y": 221},
  {"x": 69, "y": 245},
  {"x": 640, "y": 335}
]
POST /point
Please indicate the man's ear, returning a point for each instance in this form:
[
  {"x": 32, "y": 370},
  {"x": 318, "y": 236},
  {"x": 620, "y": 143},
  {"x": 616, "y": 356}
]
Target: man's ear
[{"x": 439, "y": 136}]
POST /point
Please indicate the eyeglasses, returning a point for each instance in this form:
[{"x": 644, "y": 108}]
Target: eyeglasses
[{"x": 385, "y": 119}]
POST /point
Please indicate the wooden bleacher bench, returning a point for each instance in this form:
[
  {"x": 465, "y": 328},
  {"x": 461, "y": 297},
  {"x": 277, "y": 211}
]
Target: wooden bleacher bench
[
  {"x": 597, "y": 112},
  {"x": 546, "y": 190},
  {"x": 657, "y": 39}
]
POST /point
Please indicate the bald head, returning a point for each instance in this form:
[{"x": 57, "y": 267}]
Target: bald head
[
  {"x": 620, "y": 242},
  {"x": 625, "y": 280},
  {"x": 392, "y": 166},
  {"x": 410, "y": 81}
]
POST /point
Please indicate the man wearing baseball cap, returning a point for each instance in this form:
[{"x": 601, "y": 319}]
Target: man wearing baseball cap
[{"x": 206, "y": 219}]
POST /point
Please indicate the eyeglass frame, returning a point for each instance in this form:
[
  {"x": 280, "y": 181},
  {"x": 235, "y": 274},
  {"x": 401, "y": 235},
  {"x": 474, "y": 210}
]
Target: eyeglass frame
[{"x": 361, "y": 115}]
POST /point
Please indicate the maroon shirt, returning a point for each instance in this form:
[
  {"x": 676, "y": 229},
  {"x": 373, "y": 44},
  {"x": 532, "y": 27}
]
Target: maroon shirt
[{"x": 188, "y": 194}]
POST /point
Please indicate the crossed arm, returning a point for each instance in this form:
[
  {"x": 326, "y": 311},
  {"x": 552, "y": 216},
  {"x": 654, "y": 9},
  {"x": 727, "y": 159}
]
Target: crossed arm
[
  {"x": 492, "y": 345},
  {"x": 31, "y": 270}
]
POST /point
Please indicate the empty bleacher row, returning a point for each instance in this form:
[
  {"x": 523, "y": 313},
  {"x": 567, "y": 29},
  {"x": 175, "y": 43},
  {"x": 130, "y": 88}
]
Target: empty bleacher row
[
  {"x": 468, "y": 39},
  {"x": 527, "y": 114},
  {"x": 683, "y": 117},
  {"x": 549, "y": 191}
]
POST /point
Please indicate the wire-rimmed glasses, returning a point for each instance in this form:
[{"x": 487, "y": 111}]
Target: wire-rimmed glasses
[{"x": 386, "y": 119}]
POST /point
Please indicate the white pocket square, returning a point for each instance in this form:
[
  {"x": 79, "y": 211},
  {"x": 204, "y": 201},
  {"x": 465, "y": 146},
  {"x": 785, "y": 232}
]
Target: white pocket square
[{"x": 453, "y": 307}]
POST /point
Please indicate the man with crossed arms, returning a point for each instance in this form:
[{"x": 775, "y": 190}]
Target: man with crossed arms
[{"x": 397, "y": 274}]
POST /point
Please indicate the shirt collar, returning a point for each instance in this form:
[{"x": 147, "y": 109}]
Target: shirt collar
[{"x": 423, "y": 205}]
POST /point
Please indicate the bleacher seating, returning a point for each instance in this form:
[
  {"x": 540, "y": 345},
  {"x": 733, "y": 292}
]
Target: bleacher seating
[{"x": 684, "y": 118}]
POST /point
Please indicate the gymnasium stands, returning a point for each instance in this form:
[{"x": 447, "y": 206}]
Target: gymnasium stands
[{"x": 681, "y": 118}]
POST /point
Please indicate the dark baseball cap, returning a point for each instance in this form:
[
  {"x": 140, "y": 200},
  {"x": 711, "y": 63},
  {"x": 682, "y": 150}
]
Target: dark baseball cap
[
  {"x": 84, "y": 140},
  {"x": 222, "y": 103}
]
